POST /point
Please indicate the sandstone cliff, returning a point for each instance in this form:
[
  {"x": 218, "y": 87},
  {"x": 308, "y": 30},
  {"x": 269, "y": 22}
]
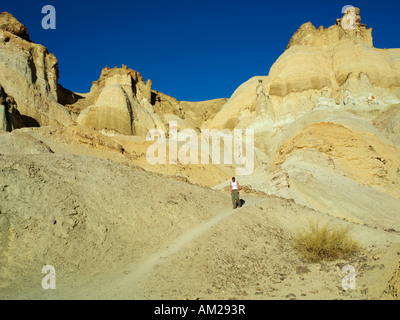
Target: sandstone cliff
[
  {"x": 135, "y": 108},
  {"x": 333, "y": 68},
  {"x": 29, "y": 73},
  {"x": 326, "y": 118},
  {"x": 119, "y": 102}
]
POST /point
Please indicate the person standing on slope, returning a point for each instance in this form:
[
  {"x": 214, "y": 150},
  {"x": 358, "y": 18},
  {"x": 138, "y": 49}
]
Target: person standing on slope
[{"x": 235, "y": 193}]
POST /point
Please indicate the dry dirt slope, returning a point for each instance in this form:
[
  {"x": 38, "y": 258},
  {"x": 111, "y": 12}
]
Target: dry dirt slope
[
  {"x": 129, "y": 150},
  {"x": 87, "y": 214},
  {"x": 113, "y": 232}
]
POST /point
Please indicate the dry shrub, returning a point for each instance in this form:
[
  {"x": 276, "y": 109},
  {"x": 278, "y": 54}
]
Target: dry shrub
[
  {"x": 329, "y": 242},
  {"x": 393, "y": 286}
]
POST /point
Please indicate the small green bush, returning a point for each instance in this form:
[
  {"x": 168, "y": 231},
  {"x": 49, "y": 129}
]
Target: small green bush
[{"x": 328, "y": 242}]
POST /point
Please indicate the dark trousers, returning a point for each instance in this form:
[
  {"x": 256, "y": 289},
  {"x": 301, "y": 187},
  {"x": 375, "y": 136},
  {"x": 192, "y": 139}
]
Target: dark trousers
[{"x": 235, "y": 198}]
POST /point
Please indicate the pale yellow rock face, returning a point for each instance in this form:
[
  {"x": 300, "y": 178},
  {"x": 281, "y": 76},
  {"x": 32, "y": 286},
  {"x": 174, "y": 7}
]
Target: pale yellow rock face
[
  {"x": 392, "y": 56},
  {"x": 316, "y": 59},
  {"x": 361, "y": 157},
  {"x": 389, "y": 123},
  {"x": 147, "y": 109},
  {"x": 298, "y": 69},
  {"x": 198, "y": 112},
  {"x": 332, "y": 68},
  {"x": 333, "y": 144},
  {"x": 340, "y": 170},
  {"x": 130, "y": 81},
  {"x": 112, "y": 112},
  {"x": 10, "y": 24},
  {"x": 29, "y": 73},
  {"x": 119, "y": 102},
  {"x": 242, "y": 100},
  {"x": 195, "y": 113},
  {"x": 340, "y": 62},
  {"x": 356, "y": 56},
  {"x": 180, "y": 123}
]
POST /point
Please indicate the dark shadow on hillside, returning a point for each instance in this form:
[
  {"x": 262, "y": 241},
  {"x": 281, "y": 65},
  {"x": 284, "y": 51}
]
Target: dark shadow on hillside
[
  {"x": 67, "y": 97},
  {"x": 30, "y": 122}
]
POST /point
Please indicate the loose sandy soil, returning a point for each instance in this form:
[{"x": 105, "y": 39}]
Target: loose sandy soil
[{"x": 115, "y": 231}]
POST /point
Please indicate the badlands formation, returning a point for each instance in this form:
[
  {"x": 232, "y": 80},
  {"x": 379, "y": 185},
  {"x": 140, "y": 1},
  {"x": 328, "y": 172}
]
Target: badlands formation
[{"x": 77, "y": 192}]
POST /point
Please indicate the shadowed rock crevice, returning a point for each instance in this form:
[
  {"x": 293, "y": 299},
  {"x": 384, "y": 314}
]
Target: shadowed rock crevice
[{"x": 10, "y": 118}]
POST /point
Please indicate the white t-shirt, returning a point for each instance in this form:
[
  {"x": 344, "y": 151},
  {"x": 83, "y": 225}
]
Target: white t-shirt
[{"x": 234, "y": 185}]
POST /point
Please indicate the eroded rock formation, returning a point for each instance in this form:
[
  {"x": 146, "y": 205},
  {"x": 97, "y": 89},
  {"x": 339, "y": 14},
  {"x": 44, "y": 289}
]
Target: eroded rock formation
[{"x": 29, "y": 73}]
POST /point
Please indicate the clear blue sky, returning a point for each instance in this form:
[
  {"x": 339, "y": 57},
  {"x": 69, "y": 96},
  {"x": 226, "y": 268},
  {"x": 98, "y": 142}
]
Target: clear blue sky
[{"x": 192, "y": 50}]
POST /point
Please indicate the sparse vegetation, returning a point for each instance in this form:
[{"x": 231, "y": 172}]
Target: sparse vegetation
[{"x": 329, "y": 242}]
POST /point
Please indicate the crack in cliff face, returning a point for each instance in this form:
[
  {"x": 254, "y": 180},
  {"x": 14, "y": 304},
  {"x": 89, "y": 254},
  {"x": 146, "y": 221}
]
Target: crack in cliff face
[
  {"x": 32, "y": 67},
  {"x": 10, "y": 118},
  {"x": 130, "y": 111}
]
